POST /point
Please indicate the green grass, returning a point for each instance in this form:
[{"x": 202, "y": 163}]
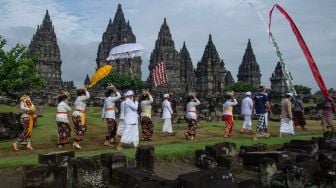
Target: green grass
[{"x": 166, "y": 148}]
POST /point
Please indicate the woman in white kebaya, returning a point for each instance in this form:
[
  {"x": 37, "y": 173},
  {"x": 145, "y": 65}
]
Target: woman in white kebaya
[{"x": 167, "y": 113}]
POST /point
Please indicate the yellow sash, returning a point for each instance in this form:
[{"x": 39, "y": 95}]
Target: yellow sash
[
  {"x": 32, "y": 109},
  {"x": 82, "y": 117}
]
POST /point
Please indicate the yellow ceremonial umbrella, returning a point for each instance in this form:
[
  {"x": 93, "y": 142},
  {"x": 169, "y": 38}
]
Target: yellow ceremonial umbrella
[{"x": 100, "y": 74}]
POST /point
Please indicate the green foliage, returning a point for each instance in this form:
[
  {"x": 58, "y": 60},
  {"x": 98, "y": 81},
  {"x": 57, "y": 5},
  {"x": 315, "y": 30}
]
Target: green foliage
[
  {"x": 300, "y": 89},
  {"x": 241, "y": 87},
  {"x": 17, "y": 72},
  {"x": 122, "y": 81}
]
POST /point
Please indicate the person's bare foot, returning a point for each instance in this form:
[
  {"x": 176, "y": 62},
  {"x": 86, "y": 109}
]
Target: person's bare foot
[{"x": 15, "y": 147}]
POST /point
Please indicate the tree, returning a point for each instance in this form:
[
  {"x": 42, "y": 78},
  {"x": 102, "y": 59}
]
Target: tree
[
  {"x": 123, "y": 81},
  {"x": 18, "y": 74},
  {"x": 300, "y": 89},
  {"x": 241, "y": 87}
]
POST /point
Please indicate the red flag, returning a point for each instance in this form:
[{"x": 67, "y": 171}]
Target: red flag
[
  {"x": 159, "y": 74},
  {"x": 305, "y": 49}
]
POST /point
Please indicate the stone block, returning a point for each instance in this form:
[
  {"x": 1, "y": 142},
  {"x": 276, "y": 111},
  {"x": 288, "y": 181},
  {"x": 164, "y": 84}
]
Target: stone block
[
  {"x": 211, "y": 178},
  {"x": 303, "y": 146},
  {"x": 59, "y": 158},
  {"x": 223, "y": 148},
  {"x": 279, "y": 180},
  {"x": 87, "y": 172},
  {"x": 235, "y": 164},
  {"x": 254, "y": 148},
  {"x": 304, "y": 174},
  {"x": 38, "y": 176},
  {"x": 267, "y": 168},
  {"x": 144, "y": 157},
  {"x": 251, "y": 160},
  {"x": 139, "y": 178},
  {"x": 249, "y": 184}
]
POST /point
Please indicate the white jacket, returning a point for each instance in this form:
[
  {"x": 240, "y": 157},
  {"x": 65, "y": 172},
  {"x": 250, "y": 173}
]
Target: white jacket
[
  {"x": 109, "y": 108},
  {"x": 191, "y": 109},
  {"x": 80, "y": 104},
  {"x": 167, "y": 110},
  {"x": 247, "y": 106},
  {"x": 131, "y": 115},
  {"x": 62, "y": 112},
  {"x": 122, "y": 110}
]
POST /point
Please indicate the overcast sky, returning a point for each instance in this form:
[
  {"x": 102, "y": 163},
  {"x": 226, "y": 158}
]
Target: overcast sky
[{"x": 79, "y": 25}]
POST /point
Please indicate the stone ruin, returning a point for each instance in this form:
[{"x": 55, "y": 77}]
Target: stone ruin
[
  {"x": 9, "y": 125},
  {"x": 298, "y": 163}
]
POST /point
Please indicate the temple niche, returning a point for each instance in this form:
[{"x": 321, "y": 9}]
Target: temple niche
[
  {"x": 44, "y": 46},
  {"x": 278, "y": 84},
  {"x": 210, "y": 73},
  {"x": 118, "y": 32},
  {"x": 164, "y": 50},
  {"x": 249, "y": 71}
]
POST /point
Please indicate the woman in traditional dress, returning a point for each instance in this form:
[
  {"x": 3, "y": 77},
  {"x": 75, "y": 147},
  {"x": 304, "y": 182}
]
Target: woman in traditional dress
[
  {"x": 62, "y": 120},
  {"x": 131, "y": 132},
  {"x": 298, "y": 113},
  {"x": 286, "y": 122},
  {"x": 27, "y": 110},
  {"x": 145, "y": 119},
  {"x": 191, "y": 116},
  {"x": 328, "y": 109},
  {"x": 121, "y": 126},
  {"x": 109, "y": 109},
  {"x": 167, "y": 112},
  {"x": 227, "y": 114},
  {"x": 78, "y": 117}
]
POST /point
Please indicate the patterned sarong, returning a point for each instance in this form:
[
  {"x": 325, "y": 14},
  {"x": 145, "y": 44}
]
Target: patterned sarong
[
  {"x": 299, "y": 119},
  {"x": 192, "y": 125},
  {"x": 261, "y": 124},
  {"x": 24, "y": 137},
  {"x": 147, "y": 128},
  {"x": 64, "y": 133},
  {"x": 111, "y": 128},
  {"x": 228, "y": 124},
  {"x": 79, "y": 128}
]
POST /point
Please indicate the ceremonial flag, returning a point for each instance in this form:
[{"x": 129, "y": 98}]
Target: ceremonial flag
[
  {"x": 305, "y": 49},
  {"x": 159, "y": 74}
]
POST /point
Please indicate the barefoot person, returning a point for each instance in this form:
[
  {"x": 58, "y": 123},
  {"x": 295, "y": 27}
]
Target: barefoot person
[
  {"x": 109, "y": 110},
  {"x": 78, "y": 117},
  {"x": 286, "y": 122},
  {"x": 298, "y": 113},
  {"x": 227, "y": 113},
  {"x": 167, "y": 112},
  {"x": 246, "y": 111},
  {"x": 192, "y": 116},
  {"x": 131, "y": 132},
  {"x": 27, "y": 110},
  {"x": 261, "y": 106},
  {"x": 145, "y": 119},
  {"x": 62, "y": 120}
]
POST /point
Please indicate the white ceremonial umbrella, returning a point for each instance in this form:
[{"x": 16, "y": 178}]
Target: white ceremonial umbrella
[{"x": 126, "y": 51}]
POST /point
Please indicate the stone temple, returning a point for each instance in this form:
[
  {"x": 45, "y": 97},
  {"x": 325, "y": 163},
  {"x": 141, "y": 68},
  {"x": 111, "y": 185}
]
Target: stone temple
[
  {"x": 118, "y": 32},
  {"x": 249, "y": 71},
  {"x": 278, "y": 84},
  {"x": 44, "y": 46}
]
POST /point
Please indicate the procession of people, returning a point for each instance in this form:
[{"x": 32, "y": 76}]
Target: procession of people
[{"x": 133, "y": 112}]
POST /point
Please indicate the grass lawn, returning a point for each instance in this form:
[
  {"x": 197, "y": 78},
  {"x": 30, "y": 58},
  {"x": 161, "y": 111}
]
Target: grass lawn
[{"x": 44, "y": 138}]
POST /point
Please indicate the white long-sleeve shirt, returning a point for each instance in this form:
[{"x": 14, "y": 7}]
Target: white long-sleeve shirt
[
  {"x": 122, "y": 110},
  {"x": 62, "y": 112},
  {"x": 167, "y": 110},
  {"x": 109, "y": 107},
  {"x": 191, "y": 109},
  {"x": 80, "y": 104},
  {"x": 247, "y": 106},
  {"x": 146, "y": 107},
  {"x": 131, "y": 115},
  {"x": 228, "y": 106}
]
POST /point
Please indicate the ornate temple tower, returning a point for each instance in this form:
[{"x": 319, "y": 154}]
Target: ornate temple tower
[
  {"x": 165, "y": 49},
  {"x": 188, "y": 76},
  {"x": 249, "y": 71},
  {"x": 229, "y": 79},
  {"x": 118, "y": 32},
  {"x": 44, "y": 44},
  {"x": 210, "y": 73},
  {"x": 278, "y": 84}
]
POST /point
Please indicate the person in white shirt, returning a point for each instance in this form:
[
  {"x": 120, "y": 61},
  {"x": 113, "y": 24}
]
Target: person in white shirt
[
  {"x": 131, "y": 132},
  {"x": 246, "y": 111},
  {"x": 227, "y": 114},
  {"x": 191, "y": 116},
  {"x": 78, "y": 116},
  {"x": 109, "y": 110},
  {"x": 121, "y": 126},
  {"x": 62, "y": 120},
  {"x": 167, "y": 113},
  {"x": 146, "y": 112}
]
